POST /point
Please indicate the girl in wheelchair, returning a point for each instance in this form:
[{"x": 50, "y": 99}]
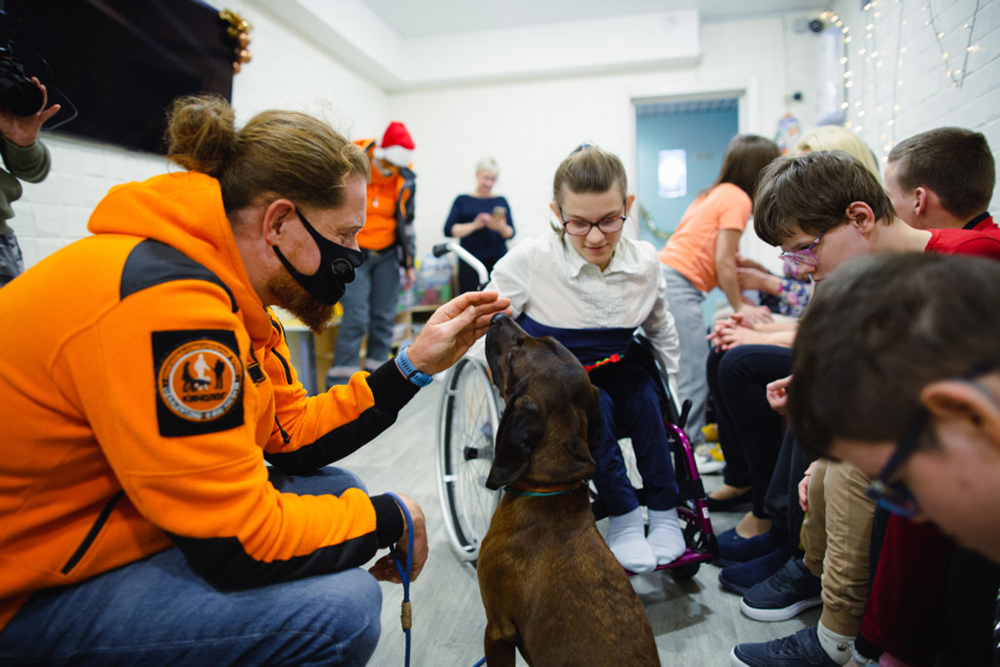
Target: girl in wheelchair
[{"x": 590, "y": 287}]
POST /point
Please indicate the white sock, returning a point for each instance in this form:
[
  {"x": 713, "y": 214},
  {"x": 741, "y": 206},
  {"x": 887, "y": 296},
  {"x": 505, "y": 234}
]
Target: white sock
[
  {"x": 665, "y": 535},
  {"x": 627, "y": 540},
  {"x": 838, "y": 647}
]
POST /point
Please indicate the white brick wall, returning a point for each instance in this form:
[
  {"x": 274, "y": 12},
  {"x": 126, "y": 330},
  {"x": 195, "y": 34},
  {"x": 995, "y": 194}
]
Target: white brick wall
[
  {"x": 287, "y": 71},
  {"x": 911, "y": 92}
]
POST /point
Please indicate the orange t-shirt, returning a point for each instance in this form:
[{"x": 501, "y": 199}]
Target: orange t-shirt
[{"x": 690, "y": 250}]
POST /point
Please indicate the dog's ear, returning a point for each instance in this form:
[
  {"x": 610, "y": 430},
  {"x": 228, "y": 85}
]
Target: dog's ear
[
  {"x": 521, "y": 427},
  {"x": 594, "y": 419}
]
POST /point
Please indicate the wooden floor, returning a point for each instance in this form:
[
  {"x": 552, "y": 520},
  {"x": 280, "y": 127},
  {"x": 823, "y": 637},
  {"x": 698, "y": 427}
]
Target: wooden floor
[{"x": 696, "y": 623}]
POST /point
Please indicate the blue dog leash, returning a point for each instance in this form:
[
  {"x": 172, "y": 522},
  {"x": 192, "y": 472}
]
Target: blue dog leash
[{"x": 405, "y": 573}]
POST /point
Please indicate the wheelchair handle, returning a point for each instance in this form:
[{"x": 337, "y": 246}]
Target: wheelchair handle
[
  {"x": 685, "y": 409},
  {"x": 442, "y": 249}
]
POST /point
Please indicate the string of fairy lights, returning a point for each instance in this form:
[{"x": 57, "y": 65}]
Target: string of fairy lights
[{"x": 873, "y": 68}]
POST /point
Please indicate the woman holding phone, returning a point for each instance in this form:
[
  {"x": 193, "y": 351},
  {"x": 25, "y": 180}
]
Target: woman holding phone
[{"x": 483, "y": 223}]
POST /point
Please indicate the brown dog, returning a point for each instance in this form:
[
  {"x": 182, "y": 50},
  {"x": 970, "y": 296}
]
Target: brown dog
[{"x": 549, "y": 583}]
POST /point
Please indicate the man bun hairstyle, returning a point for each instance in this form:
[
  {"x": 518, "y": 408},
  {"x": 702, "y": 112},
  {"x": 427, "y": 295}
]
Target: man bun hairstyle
[{"x": 284, "y": 153}]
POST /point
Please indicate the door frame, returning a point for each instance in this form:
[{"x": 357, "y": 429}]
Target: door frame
[{"x": 746, "y": 92}]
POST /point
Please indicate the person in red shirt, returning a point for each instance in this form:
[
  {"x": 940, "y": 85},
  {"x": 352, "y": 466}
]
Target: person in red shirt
[
  {"x": 927, "y": 433},
  {"x": 943, "y": 179},
  {"x": 824, "y": 209}
]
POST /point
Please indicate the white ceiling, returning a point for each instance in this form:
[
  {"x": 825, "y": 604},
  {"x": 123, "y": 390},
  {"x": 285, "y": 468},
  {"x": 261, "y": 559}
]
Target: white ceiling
[{"x": 426, "y": 18}]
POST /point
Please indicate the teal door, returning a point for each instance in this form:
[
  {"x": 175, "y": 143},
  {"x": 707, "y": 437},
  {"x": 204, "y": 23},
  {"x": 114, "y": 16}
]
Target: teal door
[{"x": 679, "y": 147}]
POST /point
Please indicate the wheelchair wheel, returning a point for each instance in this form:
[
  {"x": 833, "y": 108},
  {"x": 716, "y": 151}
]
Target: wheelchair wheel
[
  {"x": 468, "y": 425},
  {"x": 684, "y": 572}
]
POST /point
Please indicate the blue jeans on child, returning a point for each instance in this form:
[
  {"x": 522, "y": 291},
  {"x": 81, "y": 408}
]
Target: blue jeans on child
[
  {"x": 158, "y": 611},
  {"x": 629, "y": 403},
  {"x": 369, "y": 308}
]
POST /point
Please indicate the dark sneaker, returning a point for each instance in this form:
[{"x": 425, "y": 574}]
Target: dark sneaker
[
  {"x": 735, "y": 549},
  {"x": 799, "y": 650},
  {"x": 786, "y": 594},
  {"x": 741, "y": 578}
]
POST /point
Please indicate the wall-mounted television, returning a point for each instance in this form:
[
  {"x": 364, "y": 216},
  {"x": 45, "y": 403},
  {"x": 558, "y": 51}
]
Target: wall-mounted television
[{"x": 121, "y": 62}]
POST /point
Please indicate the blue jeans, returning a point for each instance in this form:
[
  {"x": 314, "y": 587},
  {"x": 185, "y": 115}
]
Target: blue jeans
[
  {"x": 157, "y": 611},
  {"x": 11, "y": 260},
  {"x": 369, "y": 308},
  {"x": 629, "y": 405},
  {"x": 684, "y": 301}
]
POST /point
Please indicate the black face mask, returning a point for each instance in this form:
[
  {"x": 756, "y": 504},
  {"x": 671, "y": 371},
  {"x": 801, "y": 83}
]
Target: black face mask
[{"x": 336, "y": 267}]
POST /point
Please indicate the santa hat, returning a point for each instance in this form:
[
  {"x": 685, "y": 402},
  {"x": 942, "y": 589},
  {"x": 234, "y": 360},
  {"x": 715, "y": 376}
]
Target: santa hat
[{"x": 397, "y": 145}]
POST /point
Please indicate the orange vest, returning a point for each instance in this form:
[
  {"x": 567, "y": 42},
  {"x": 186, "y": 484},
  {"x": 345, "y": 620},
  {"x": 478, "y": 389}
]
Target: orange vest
[{"x": 389, "y": 213}]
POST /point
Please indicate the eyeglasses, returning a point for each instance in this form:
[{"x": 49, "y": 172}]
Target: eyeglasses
[
  {"x": 582, "y": 227},
  {"x": 894, "y": 495},
  {"x": 804, "y": 256}
]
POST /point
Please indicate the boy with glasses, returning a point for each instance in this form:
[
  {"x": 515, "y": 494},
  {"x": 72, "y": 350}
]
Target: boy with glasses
[
  {"x": 927, "y": 433},
  {"x": 905, "y": 385},
  {"x": 823, "y": 209}
]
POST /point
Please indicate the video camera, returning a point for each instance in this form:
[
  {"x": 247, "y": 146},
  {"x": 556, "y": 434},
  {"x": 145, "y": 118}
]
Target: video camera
[{"x": 17, "y": 93}]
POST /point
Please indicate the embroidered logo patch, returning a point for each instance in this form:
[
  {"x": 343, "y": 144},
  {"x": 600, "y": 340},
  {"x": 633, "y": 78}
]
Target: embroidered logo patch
[{"x": 199, "y": 381}]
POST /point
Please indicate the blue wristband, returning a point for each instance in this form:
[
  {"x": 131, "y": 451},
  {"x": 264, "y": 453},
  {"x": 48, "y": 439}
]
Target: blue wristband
[{"x": 411, "y": 373}]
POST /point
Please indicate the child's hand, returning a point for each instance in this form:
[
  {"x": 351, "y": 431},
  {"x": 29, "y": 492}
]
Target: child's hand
[
  {"x": 777, "y": 395},
  {"x": 804, "y": 487},
  {"x": 754, "y": 314}
]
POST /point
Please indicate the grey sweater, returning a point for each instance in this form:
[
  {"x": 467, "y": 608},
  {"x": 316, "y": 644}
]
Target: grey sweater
[{"x": 28, "y": 163}]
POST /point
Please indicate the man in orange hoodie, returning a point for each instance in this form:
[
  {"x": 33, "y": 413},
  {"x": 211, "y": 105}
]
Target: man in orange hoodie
[{"x": 147, "y": 387}]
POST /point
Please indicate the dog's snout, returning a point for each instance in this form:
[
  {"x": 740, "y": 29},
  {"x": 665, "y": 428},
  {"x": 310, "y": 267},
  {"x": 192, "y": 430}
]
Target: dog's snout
[{"x": 499, "y": 316}]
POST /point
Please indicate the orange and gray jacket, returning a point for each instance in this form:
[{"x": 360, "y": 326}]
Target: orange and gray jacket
[
  {"x": 382, "y": 227},
  {"x": 142, "y": 386}
]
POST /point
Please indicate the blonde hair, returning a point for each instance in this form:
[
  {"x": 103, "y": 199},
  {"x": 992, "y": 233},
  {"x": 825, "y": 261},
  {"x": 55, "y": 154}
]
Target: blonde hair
[
  {"x": 488, "y": 164},
  {"x": 836, "y": 138},
  {"x": 285, "y": 152}
]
